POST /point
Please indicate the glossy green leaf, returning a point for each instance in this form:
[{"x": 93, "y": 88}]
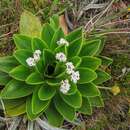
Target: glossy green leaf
[
  {"x": 76, "y": 61},
  {"x": 34, "y": 79},
  {"x": 53, "y": 116},
  {"x": 74, "y": 100},
  {"x": 16, "y": 89},
  {"x": 88, "y": 90},
  {"x": 20, "y": 73},
  {"x": 64, "y": 109},
  {"x": 73, "y": 89},
  {"x": 38, "y": 44},
  {"x": 90, "y": 62},
  {"x": 57, "y": 35},
  {"x": 54, "y": 22},
  {"x": 47, "y": 34},
  {"x": 4, "y": 78},
  {"x": 14, "y": 107},
  {"x": 29, "y": 112},
  {"x": 46, "y": 92},
  {"x": 90, "y": 48},
  {"x": 86, "y": 107},
  {"x": 30, "y": 24},
  {"x": 106, "y": 61},
  {"x": 102, "y": 76},
  {"x": 86, "y": 75},
  {"x": 22, "y": 41},
  {"x": 7, "y": 63},
  {"x": 72, "y": 36},
  {"x": 75, "y": 47},
  {"x": 22, "y": 55},
  {"x": 96, "y": 101},
  {"x": 37, "y": 104}
]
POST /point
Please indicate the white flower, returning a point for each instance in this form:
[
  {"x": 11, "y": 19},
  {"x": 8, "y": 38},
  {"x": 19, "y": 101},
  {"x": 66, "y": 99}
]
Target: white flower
[
  {"x": 30, "y": 61},
  {"x": 70, "y": 67},
  {"x": 65, "y": 86},
  {"x": 61, "y": 57},
  {"x": 75, "y": 76},
  {"x": 36, "y": 55},
  {"x": 62, "y": 41}
]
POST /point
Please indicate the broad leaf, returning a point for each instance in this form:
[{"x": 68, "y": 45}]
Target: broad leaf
[
  {"x": 37, "y": 104},
  {"x": 22, "y": 41},
  {"x": 20, "y": 73},
  {"x": 30, "y": 24},
  {"x": 38, "y": 44},
  {"x": 53, "y": 116},
  {"x": 90, "y": 62},
  {"x": 34, "y": 79},
  {"x": 90, "y": 48},
  {"x": 14, "y": 107},
  {"x": 29, "y": 112},
  {"x": 7, "y": 63},
  {"x": 106, "y": 61},
  {"x": 86, "y": 75},
  {"x": 61, "y": 48},
  {"x": 4, "y": 78},
  {"x": 96, "y": 101},
  {"x": 64, "y": 109},
  {"x": 102, "y": 76},
  {"x": 74, "y": 35},
  {"x": 46, "y": 92},
  {"x": 86, "y": 107},
  {"x": 76, "y": 61},
  {"x": 75, "y": 47},
  {"x": 74, "y": 100},
  {"x": 88, "y": 90},
  {"x": 47, "y": 34},
  {"x": 16, "y": 89},
  {"x": 73, "y": 89},
  {"x": 22, "y": 55},
  {"x": 57, "y": 36},
  {"x": 54, "y": 22}
]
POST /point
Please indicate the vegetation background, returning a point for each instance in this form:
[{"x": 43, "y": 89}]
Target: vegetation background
[{"x": 109, "y": 18}]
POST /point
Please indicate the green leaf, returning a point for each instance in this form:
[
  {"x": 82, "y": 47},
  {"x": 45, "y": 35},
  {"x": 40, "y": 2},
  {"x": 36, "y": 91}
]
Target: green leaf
[
  {"x": 22, "y": 55},
  {"x": 88, "y": 90},
  {"x": 37, "y": 104},
  {"x": 96, "y": 101},
  {"x": 38, "y": 44},
  {"x": 61, "y": 48},
  {"x": 90, "y": 62},
  {"x": 4, "y": 78},
  {"x": 102, "y": 76},
  {"x": 73, "y": 89},
  {"x": 22, "y": 41},
  {"x": 7, "y": 63},
  {"x": 106, "y": 61},
  {"x": 16, "y": 89},
  {"x": 54, "y": 22},
  {"x": 74, "y": 35},
  {"x": 76, "y": 61},
  {"x": 90, "y": 48},
  {"x": 47, "y": 34},
  {"x": 14, "y": 107},
  {"x": 34, "y": 79},
  {"x": 30, "y": 24},
  {"x": 74, "y": 100},
  {"x": 57, "y": 36},
  {"x": 29, "y": 112},
  {"x": 86, "y": 75},
  {"x": 86, "y": 107},
  {"x": 53, "y": 116},
  {"x": 46, "y": 92},
  {"x": 64, "y": 109},
  {"x": 20, "y": 73},
  {"x": 48, "y": 57},
  {"x": 75, "y": 47}
]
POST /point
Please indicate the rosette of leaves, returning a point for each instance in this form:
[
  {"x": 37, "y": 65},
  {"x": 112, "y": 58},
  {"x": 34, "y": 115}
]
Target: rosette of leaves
[{"x": 34, "y": 91}]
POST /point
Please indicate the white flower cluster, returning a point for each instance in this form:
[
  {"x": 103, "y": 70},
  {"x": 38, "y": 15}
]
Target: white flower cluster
[
  {"x": 62, "y": 41},
  {"x": 65, "y": 86},
  {"x": 61, "y": 57},
  {"x": 31, "y": 61}
]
